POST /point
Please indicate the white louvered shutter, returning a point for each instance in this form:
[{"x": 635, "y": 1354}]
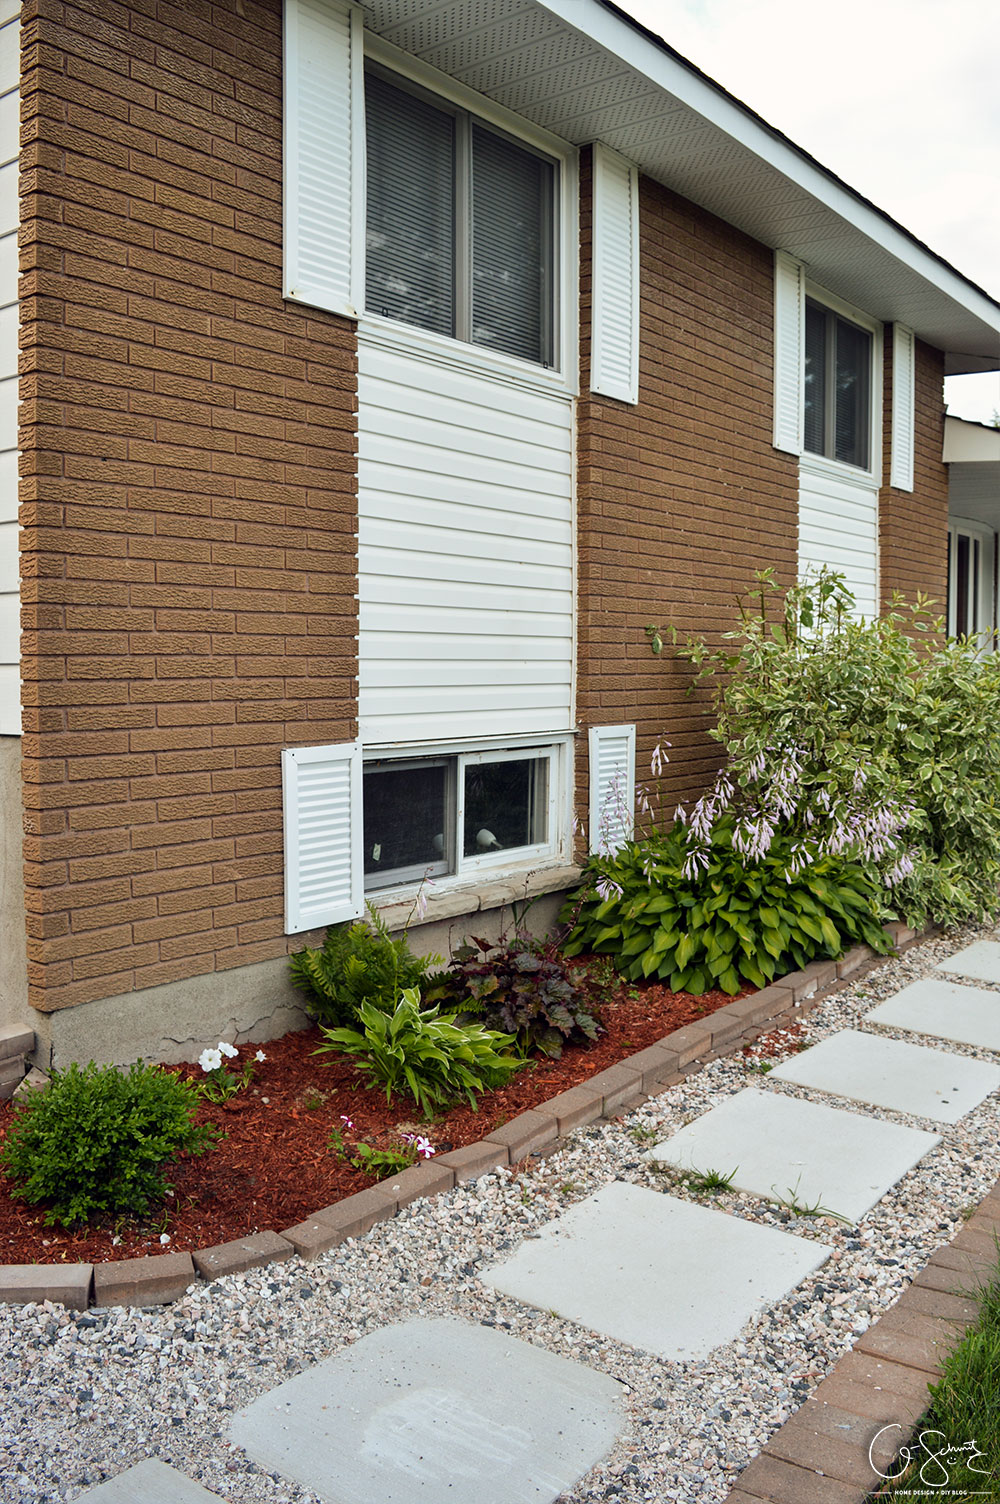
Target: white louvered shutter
[
  {"x": 903, "y": 402},
  {"x": 324, "y": 877},
  {"x": 614, "y": 354},
  {"x": 612, "y": 786},
  {"x": 789, "y": 337},
  {"x": 324, "y": 155}
]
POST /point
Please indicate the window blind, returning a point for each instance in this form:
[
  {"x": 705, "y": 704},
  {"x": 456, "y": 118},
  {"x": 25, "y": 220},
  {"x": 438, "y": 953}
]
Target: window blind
[
  {"x": 410, "y": 260},
  {"x": 511, "y": 247}
]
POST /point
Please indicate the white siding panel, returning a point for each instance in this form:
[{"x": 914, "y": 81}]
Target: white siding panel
[
  {"x": 615, "y": 315},
  {"x": 10, "y": 699},
  {"x": 324, "y": 143},
  {"x": 789, "y": 351},
  {"x": 10, "y": 53},
  {"x": 10, "y": 604},
  {"x": 9, "y": 206},
  {"x": 8, "y": 485},
  {"x": 838, "y": 527},
  {"x": 321, "y": 790},
  {"x": 465, "y": 552},
  {"x": 612, "y": 786}
]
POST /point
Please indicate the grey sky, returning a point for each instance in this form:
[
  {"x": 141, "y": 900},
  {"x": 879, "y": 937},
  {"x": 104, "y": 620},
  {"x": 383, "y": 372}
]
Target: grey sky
[{"x": 898, "y": 97}]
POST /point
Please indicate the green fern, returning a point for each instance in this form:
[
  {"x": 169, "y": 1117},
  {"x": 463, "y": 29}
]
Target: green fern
[{"x": 357, "y": 963}]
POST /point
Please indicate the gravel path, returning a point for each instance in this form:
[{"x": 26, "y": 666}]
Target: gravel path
[{"x": 83, "y": 1397}]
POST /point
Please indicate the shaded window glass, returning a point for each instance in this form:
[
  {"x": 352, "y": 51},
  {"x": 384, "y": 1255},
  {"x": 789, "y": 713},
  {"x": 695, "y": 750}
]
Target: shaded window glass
[
  {"x": 410, "y": 266},
  {"x": 837, "y": 387},
  {"x": 406, "y": 821},
  {"x": 511, "y": 247},
  {"x": 854, "y": 361},
  {"x": 815, "y": 379},
  {"x": 962, "y": 615},
  {"x": 506, "y": 805}
]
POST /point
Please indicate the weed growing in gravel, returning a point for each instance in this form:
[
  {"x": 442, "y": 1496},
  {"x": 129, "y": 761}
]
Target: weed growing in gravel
[
  {"x": 643, "y": 1133},
  {"x": 711, "y": 1182}
]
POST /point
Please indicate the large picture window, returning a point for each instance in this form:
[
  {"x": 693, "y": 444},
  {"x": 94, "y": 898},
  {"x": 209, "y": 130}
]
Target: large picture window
[
  {"x": 460, "y": 223},
  {"x": 837, "y": 392}
]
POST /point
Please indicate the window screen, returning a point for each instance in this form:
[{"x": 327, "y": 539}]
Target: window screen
[
  {"x": 410, "y": 265},
  {"x": 511, "y": 247},
  {"x": 837, "y": 387},
  {"x": 459, "y": 225}
]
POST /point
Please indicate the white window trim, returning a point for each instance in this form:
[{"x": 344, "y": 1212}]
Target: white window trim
[
  {"x": 820, "y": 464},
  {"x": 473, "y": 872},
  {"x": 984, "y": 585},
  {"x": 564, "y": 374}
]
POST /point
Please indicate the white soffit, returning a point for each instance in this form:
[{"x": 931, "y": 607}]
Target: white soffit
[
  {"x": 583, "y": 72},
  {"x": 970, "y": 443}
]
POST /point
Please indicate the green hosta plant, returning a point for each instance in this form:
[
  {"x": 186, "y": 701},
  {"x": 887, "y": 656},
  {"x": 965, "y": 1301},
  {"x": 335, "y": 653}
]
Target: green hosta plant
[
  {"x": 357, "y": 963},
  {"x": 723, "y": 921},
  {"x": 522, "y": 985},
  {"x": 96, "y": 1141},
  {"x": 876, "y": 739},
  {"x": 425, "y": 1052}
]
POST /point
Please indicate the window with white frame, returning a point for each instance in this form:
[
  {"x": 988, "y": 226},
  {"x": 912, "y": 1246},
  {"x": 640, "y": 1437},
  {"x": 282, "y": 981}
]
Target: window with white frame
[
  {"x": 460, "y": 222},
  {"x": 971, "y": 551},
  {"x": 837, "y": 387},
  {"x": 459, "y": 814}
]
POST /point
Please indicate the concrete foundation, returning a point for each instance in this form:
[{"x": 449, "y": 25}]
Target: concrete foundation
[
  {"x": 250, "y": 1004},
  {"x": 14, "y": 1006}
]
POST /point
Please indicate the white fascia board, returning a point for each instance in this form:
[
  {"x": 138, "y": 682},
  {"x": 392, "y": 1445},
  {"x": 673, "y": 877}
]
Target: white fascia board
[
  {"x": 738, "y": 122},
  {"x": 970, "y": 443}
]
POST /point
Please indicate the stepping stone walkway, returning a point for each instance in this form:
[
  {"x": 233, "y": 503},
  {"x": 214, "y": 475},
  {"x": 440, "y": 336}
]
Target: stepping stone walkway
[
  {"x": 664, "y": 1275},
  {"x": 980, "y": 961},
  {"x": 783, "y": 1149},
  {"x": 966, "y": 1015},
  {"x": 890, "y": 1073},
  {"x": 436, "y": 1410},
  {"x": 150, "y": 1482}
]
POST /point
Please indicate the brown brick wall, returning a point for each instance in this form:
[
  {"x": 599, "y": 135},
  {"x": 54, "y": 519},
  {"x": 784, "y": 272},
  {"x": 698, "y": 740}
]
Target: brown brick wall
[
  {"x": 682, "y": 497},
  {"x": 913, "y": 526},
  {"x": 187, "y": 495}
]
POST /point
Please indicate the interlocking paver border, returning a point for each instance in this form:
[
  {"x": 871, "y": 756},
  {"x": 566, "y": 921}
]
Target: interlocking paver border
[
  {"x": 883, "y": 1381},
  {"x": 605, "y": 1094}
]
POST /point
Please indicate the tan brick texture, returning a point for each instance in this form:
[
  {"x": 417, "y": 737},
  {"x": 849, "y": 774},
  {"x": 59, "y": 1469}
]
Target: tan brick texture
[
  {"x": 682, "y": 497},
  {"x": 913, "y": 525},
  {"x": 187, "y": 489}
]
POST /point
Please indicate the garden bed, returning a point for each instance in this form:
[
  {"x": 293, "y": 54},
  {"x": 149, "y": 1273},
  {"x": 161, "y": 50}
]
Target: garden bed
[{"x": 274, "y": 1167}]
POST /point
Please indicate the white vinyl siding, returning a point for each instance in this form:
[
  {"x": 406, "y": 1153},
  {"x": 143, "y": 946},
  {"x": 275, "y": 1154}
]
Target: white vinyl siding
[
  {"x": 838, "y": 527},
  {"x": 10, "y": 639},
  {"x": 903, "y": 404},
  {"x": 321, "y": 790},
  {"x": 465, "y": 549},
  {"x": 324, "y": 155},
  {"x": 614, "y": 356},
  {"x": 612, "y": 786},
  {"x": 789, "y": 347}
]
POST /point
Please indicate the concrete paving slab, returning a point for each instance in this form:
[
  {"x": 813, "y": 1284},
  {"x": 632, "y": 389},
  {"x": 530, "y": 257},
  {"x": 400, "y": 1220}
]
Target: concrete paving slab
[
  {"x": 981, "y": 961},
  {"x": 946, "y": 1010},
  {"x": 150, "y": 1482},
  {"x": 892, "y": 1073},
  {"x": 435, "y": 1410},
  {"x": 661, "y": 1274},
  {"x": 783, "y": 1149}
]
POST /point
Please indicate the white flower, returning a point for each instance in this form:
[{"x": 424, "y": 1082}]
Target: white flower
[
  {"x": 210, "y": 1060},
  {"x": 260, "y": 1055},
  {"x": 228, "y": 1049}
]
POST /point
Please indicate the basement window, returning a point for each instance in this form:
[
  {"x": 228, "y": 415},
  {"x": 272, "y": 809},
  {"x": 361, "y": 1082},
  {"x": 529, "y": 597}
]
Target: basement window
[{"x": 460, "y": 815}]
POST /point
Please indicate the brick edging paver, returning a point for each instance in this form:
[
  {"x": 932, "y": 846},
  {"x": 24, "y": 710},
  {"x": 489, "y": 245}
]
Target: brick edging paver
[
  {"x": 159, "y": 1278},
  {"x": 821, "y": 1454}
]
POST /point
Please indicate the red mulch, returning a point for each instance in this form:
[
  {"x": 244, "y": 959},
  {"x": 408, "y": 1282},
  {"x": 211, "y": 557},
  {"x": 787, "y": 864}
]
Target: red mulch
[{"x": 274, "y": 1168}]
